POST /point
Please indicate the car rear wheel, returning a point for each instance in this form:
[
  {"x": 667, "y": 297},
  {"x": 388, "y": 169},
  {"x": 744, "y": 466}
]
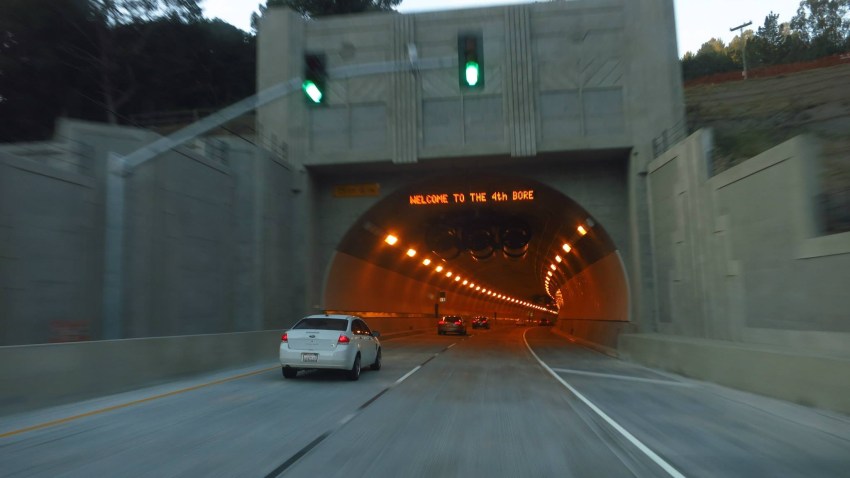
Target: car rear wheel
[
  {"x": 354, "y": 373},
  {"x": 289, "y": 372},
  {"x": 377, "y": 364}
]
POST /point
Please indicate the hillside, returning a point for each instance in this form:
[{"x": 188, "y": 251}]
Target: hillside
[{"x": 751, "y": 116}]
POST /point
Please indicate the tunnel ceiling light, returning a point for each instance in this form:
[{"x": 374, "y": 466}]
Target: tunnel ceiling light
[
  {"x": 457, "y": 279},
  {"x": 582, "y": 230},
  {"x": 426, "y": 262},
  {"x": 478, "y": 288},
  {"x": 439, "y": 268},
  {"x": 552, "y": 266},
  {"x": 411, "y": 252},
  {"x": 550, "y": 274},
  {"x": 471, "y": 285},
  {"x": 449, "y": 274},
  {"x": 558, "y": 259},
  {"x": 567, "y": 248},
  {"x": 465, "y": 282},
  {"x": 390, "y": 239}
]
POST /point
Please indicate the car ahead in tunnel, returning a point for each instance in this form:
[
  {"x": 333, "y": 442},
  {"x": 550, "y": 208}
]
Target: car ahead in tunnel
[
  {"x": 522, "y": 322},
  {"x": 451, "y": 324},
  {"x": 545, "y": 322},
  {"x": 481, "y": 323},
  {"x": 342, "y": 342}
]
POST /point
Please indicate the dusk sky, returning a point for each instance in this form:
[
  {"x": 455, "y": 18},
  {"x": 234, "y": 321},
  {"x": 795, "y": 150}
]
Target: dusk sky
[{"x": 697, "y": 20}]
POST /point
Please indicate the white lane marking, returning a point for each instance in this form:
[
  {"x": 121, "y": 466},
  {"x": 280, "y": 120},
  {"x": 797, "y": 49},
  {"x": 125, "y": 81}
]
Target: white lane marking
[
  {"x": 452, "y": 345},
  {"x": 347, "y": 419},
  {"x": 404, "y": 377},
  {"x": 616, "y": 426},
  {"x": 623, "y": 377}
]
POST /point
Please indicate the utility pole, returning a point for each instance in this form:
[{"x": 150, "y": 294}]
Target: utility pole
[{"x": 744, "y": 45}]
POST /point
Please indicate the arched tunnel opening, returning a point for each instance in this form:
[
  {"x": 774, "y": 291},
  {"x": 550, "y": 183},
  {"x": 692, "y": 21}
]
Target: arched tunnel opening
[{"x": 495, "y": 245}]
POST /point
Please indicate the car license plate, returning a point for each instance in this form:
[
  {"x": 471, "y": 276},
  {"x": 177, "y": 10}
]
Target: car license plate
[{"x": 310, "y": 357}]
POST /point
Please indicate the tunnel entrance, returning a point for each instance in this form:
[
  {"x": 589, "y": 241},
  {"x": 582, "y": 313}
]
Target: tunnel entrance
[{"x": 490, "y": 245}]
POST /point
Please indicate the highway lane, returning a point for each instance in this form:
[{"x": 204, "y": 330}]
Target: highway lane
[{"x": 481, "y": 407}]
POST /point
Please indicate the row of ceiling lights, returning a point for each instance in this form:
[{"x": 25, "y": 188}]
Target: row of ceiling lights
[
  {"x": 567, "y": 248},
  {"x": 438, "y": 268}
]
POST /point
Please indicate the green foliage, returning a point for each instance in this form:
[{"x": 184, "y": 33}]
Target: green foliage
[
  {"x": 107, "y": 60},
  {"x": 820, "y": 28},
  {"x": 39, "y": 79},
  {"x": 321, "y": 8}
]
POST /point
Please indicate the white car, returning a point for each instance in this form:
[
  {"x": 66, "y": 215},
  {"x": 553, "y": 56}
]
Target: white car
[{"x": 342, "y": 342}]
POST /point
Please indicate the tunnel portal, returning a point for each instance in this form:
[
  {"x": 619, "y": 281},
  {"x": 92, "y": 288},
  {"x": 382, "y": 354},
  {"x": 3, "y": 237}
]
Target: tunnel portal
[{"x": 489, "y": 245}]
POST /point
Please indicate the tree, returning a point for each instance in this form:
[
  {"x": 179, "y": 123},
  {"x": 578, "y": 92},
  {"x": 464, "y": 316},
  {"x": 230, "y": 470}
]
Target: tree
[
  {"x": 711, "y": 58},
  {"x": 321, "y": 8},
  {"x": 38, "y": 79},
  {"x": 765, "y": 45},
  {"x": 51, "y": 64},
  {"x": 735, "y": 49},
  {"x": 823, "y": 24},
  {"x": 116, "y": 80}
]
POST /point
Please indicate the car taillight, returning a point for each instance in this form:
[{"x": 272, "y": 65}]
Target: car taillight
[
  {"x": 343, "y": 339},
  {"x": 442, "y": 322},
  {"x": 457, "y": 322},
  {"x": 284, "y": 337}
]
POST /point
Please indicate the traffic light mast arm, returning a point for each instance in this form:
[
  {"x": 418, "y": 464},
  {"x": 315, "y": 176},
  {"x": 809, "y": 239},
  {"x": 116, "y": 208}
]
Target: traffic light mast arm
[{"x": 148, "y": 152}]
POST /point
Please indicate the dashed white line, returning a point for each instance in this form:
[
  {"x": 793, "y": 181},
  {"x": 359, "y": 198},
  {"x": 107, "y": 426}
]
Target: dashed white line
[
  {"x": 616, "y": 426},
  {"x": 404, "y": 377}
]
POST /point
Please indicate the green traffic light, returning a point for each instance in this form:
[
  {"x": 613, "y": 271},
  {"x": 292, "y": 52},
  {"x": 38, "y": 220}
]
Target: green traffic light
[
  {"x": 312, "y": 91},
  {"x": 472, "y": 73}
]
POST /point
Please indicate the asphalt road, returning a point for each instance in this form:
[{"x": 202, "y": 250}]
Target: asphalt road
[{"x": 442, "y": 406}]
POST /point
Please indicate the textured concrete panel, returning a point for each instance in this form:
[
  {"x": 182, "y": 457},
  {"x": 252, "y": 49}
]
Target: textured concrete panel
[
  {"x": 483, "y": 119},
  {"x": 48, "y": 258},
  {"x": 603, "y": 112},
  {"x": 560, "y": 113},
  {"x": 329, "y": 129},
  {"x": 441, "y": 122},
  {"x": 369, "y": 127}
]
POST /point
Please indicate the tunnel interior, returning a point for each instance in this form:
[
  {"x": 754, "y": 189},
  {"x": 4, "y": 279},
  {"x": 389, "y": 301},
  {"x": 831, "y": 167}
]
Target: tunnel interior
[{"x": 497, "y": 244}]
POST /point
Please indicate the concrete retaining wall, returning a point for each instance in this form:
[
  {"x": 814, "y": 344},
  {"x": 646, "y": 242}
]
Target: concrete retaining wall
[{"x": 810, "y": 380}]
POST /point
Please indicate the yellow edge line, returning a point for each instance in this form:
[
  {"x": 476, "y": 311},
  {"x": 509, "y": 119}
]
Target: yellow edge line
[{"x": 130, "y": 404}]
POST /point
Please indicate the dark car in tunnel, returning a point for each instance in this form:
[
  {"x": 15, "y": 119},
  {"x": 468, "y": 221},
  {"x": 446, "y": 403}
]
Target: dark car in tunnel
[
  {"x": 451, "y": 324},
  {"x": 481, "y": 322}
]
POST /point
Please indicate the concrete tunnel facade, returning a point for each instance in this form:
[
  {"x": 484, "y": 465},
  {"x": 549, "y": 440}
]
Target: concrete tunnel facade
[{"x": 575, "y": 94}]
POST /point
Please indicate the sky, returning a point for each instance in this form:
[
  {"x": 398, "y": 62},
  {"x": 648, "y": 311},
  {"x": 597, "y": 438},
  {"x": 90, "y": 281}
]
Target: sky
[{"x": 697, "y": 21}]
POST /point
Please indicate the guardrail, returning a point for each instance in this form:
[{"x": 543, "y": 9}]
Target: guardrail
[{"x": 668, "y": 138}]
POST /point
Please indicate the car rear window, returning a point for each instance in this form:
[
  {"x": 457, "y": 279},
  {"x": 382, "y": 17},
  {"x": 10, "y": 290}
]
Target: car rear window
[
  {"x": 451, "y": 319},
  {"x": 322, "y": 324}
]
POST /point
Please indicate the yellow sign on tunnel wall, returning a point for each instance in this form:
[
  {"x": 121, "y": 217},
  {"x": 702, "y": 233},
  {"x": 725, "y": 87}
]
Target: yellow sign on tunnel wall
[{"x": 357, "y": 190}]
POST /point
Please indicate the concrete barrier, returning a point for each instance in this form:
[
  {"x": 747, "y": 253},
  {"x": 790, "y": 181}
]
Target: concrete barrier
[
  {"x": 43, "y": 375},
  {"x": 817, "y": 381},
  {"x": 36, "y": 376}
]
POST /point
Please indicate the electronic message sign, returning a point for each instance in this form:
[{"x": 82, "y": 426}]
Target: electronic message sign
[{"x": 472, "y": 197}]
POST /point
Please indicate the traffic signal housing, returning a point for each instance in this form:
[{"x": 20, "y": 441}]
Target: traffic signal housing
[
  {"x": 470, "y": 61},
  {"x": 315, "y": 79}
]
